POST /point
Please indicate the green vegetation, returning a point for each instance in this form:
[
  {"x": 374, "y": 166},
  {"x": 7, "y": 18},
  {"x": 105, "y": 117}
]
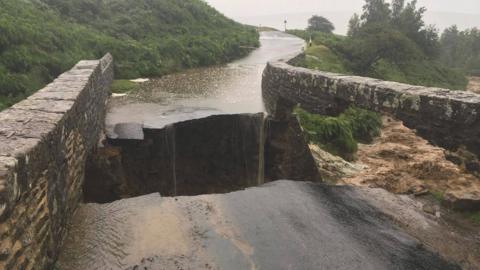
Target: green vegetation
[
  {"x": 388, "y": 42},
  {"x": 320, "y": 57},
  {"x": 265, "y": 29},
  {"x": 123, "y": 86},
  {"x": 39, "y": 39},
  {"x": 365, "y": 124},
  {"x": 340, "y": 135},
  {"x": 320, "y": 24},
  {"x": 461, "y": 49}
]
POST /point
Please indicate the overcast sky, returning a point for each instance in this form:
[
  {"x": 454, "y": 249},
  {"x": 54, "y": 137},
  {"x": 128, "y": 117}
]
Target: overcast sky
[
  {"x": 442, "y": 13},
  {"x": 242, "y": 8}
]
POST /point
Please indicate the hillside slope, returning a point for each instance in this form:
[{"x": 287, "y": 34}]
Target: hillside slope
[
  {"x": 326, "y": 54},
  {"x": 39, "y": 39}
]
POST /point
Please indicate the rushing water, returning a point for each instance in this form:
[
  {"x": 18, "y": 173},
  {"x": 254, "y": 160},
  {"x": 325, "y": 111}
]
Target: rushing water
[{"x": 197, "y": 93}]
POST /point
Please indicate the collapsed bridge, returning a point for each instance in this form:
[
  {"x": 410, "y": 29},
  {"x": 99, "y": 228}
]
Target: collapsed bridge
[{"x": 48, "y": 145}]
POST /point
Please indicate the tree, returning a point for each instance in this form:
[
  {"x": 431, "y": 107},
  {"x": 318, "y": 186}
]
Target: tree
[
  {"x": 376, "y": 11},
  {"x": 375, "y": 42},
  {"x": 321, "y": 24},
  {"x": 354, "y": 25},
  {"x": 409, "y": 20},
  {"x": 461, "y": 49},
  {"x": 397, "y": 8}
]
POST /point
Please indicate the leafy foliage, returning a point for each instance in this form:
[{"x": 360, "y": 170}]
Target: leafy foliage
[
  {"x": 339, "y": 135},
  {"x": 390, "y": 42},
  {"x": 376, "y": 11},
  {"x": 461, "y": 49},
  {"x": 320, "y": 24},
  {"x": 365, "y": 124},
  {"x": 39, "y": 39},
  {"x": 320, "y": 57}
]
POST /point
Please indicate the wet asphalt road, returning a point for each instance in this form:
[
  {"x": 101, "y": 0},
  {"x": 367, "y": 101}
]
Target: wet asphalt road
[{"x": 282, "y": 225}]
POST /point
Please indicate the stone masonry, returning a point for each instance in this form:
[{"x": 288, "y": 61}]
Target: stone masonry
[
  {"x": 44, "y": 143},
  {"x": 446, "y": 118}
]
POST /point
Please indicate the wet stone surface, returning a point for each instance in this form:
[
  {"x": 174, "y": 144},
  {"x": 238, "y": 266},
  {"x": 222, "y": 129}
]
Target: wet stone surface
[{"x": 445, "y": 117}]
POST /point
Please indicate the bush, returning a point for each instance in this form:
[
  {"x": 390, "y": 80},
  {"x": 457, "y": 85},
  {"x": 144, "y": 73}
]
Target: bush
[
  {"x": 41, "y": 39},
  {"x": 339, "y": 135},
  {"x": 365, "y": 124},
  {"x": 392, "y": 42}
]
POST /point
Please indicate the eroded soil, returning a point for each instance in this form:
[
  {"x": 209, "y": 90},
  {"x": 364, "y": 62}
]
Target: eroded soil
[{"x": 403, "y": 163}]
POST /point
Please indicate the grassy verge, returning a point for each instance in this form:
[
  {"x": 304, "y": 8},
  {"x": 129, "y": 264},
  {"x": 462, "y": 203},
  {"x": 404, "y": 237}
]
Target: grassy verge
[
  {"x": 124, "y": 86},
  {"x": 265, "y": 29},
  {"x": 340, "y": 135},
  {"x": 325, "y": 54},
  {"x": 320, "y": 57}
]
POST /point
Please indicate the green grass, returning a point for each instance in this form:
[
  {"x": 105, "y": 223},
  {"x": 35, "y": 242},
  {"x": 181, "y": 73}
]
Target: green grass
[
  {"x": 365, "y": 125},
  {"x": 6, "y": 102},
  {"x": 265, "y": 29},
  {"x": 124, "y": 86},
  {"x": 324, "y": 55},
  {"x": 320, "y": 57},
  {"x": 40, "y": 39},
  {"x": 340, "y": 135},
  {"x": 425, "y": 73}
]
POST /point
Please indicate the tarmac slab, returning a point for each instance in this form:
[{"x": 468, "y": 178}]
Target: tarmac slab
[{"x": 281, "y": 225}]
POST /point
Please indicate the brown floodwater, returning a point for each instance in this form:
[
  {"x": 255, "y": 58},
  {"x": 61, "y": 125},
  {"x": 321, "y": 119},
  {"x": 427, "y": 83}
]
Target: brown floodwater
[{"x": 197, "y": 93}]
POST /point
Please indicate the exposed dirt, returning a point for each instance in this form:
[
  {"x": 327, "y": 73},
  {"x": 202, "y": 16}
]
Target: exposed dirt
[
  {"x": 474, "y": 84},
  {"x": 403, "y": 163}
]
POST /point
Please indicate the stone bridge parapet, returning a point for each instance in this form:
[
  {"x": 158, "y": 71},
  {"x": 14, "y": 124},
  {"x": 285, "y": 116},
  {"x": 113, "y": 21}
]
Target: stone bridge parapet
[
  {"x": 444, "y": 117},
  {"x": 44, "y": 143}
]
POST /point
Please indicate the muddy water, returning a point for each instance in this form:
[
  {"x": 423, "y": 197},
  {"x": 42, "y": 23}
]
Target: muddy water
[{"x": 197, "y": 93}]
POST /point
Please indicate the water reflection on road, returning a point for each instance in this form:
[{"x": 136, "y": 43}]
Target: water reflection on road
[{"x": 197, "y": 93}]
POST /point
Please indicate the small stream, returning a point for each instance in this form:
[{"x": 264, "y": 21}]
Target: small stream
[{"x": 198, "y": 93}]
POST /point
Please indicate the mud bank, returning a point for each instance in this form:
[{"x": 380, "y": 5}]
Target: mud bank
[{"x": 403, "y": 163}]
